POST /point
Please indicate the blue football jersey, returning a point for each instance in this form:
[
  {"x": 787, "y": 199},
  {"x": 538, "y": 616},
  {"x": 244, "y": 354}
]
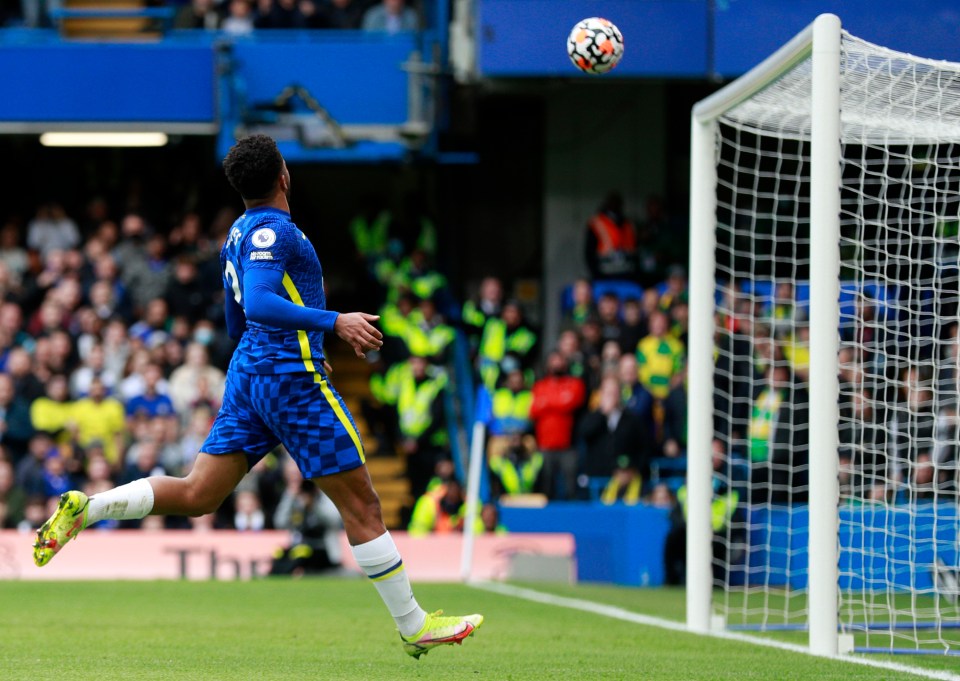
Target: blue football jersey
[{"x": 266, "y": 237}]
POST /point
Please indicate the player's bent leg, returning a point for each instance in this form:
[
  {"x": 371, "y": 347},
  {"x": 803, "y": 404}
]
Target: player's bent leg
[
  {"x": 376, "y": 554},
  {"x": 353, "y": 494},
  {"x": 210, "y": 482}
]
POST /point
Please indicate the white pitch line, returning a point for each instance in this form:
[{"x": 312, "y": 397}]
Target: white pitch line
[{"x": 648, "y": 620}]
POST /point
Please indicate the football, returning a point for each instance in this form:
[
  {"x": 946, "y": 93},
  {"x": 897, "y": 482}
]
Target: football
[{"x": 595, "y": 45}]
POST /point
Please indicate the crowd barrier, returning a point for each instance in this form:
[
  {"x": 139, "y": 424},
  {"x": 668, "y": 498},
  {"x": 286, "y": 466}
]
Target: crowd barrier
[
  {"x": 227, "y": 555},
  {"x": 621, "y": 544},
  {"x": 880, "y": 546}
]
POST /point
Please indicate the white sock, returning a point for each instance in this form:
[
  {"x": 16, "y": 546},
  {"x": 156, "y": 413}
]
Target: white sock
[
  {"x": 381, "y": 562},
  {"x": 126, "y": 502}
]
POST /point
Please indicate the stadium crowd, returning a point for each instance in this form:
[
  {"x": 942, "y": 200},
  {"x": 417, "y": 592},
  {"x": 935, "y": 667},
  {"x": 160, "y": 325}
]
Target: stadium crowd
[
  {"x": 113, "y": 352},
  {"x": 899, "y": 392},
  {"x": 240, "y": 17},
  {"x": 601, "y": 417}
]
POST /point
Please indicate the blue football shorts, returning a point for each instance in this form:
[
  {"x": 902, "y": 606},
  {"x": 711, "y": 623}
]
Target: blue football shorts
[{"x": 300, "y": 410}]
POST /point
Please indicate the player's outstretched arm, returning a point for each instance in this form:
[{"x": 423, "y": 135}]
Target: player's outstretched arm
[
  {"x": 356, "y": 329},
  {"x": 265, "y": 305}
]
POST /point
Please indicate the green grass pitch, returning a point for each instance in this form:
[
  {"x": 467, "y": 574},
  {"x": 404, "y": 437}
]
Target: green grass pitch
[{"x": 338, "y": 629}]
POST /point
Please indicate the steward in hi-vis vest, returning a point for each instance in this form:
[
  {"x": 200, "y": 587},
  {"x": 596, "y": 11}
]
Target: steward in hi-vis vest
[
  {"x": 510, "y": 406},
  {"x": 611, "y": 244},
  {"x": 518, "y": 469},
  {"x": 422, "y": 418},
  {"x": 501, "y": 335},
  {"x": 475, "y": 313}
]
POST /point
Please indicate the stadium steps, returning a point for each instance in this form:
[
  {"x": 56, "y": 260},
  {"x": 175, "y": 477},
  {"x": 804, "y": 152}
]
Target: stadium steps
[{"x": 351, "y": 377}]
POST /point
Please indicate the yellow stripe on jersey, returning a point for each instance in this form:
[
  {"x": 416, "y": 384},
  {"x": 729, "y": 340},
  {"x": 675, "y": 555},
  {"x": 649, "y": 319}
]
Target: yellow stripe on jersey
[
  {"x": 307, "y": 356},
  {"x": 341, "y": 414},
  {"x": 305, "y": 353}
]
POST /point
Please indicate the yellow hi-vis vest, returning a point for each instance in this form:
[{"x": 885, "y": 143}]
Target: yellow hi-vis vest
[
  {"x": 511, "y": 411},
  {"x": 631, "y": 495},
  {"x": 496, "y": 342},
  {"x": 722, "y": 508},
  {"x": 414, "y": 404},
  {"x": 385, "y": 388},
  {"x": 370, "y": 238},
  {"x": 516, "y": 481},
  {"x": 427, "y": 342},
  {"x": 473, "y": 315},
  {"x": 393, "y": 323},
  {"x": 427, "y": 517},
  {"x": 764, "y": 413}
]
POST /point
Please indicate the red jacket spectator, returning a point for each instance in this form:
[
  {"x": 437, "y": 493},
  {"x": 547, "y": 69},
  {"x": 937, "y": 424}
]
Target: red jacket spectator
[{"x": 556, "y": 399}]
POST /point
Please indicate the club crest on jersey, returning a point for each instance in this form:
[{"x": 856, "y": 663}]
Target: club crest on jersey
[{"x": 264, "y": 238}]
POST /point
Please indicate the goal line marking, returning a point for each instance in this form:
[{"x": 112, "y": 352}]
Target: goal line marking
[{"x": 648, "y": 620}]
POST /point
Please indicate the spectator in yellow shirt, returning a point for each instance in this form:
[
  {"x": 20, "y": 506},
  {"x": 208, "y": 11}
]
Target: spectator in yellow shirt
[
  {"x": 100, "y": 418},
  {"x": 53, "y": 411},
  {"x": 659, "y": 357}
]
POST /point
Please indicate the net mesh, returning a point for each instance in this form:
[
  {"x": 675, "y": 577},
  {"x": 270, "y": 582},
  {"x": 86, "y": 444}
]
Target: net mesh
[{"x": 898, "y": 362}]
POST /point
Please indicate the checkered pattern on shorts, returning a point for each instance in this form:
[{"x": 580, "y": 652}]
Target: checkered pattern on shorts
[{"x": 302, "y": 411}]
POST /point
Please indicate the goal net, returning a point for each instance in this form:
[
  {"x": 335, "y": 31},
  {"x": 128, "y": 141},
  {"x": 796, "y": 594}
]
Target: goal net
[{"x": 832, "y": 475}]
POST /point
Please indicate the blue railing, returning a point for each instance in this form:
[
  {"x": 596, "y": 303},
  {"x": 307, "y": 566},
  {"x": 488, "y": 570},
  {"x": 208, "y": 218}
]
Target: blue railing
[{"x": 461, "y": 429}]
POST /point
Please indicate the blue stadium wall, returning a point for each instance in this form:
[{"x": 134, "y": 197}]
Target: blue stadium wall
[
  {"x": 699, "y": 38},
  {"x": 358, "y": 77}
]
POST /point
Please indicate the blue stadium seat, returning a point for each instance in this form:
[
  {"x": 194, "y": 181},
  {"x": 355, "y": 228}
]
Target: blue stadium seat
[
  {"x": 882, "y": 296},
  {"x": 620, "y": 288},
  {"x": 878, "y": 292},
  {"x": 765, "y": 289}
]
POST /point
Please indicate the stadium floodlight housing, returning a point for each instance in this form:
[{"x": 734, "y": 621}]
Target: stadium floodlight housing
[
  {"x": 825, "y": 204},
  {"x": 103, "y": 139}
]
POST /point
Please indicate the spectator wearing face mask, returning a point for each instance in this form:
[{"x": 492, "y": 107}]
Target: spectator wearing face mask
[
  {"x": 195, "y": 379},
  {"x": 218, "y": 344}
]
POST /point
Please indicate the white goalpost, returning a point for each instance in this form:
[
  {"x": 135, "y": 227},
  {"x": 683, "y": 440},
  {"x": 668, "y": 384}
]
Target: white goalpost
[{"x": 824, "y": 367}]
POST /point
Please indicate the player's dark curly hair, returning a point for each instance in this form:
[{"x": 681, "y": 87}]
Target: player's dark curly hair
[{"x": 253, "y": 166}]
